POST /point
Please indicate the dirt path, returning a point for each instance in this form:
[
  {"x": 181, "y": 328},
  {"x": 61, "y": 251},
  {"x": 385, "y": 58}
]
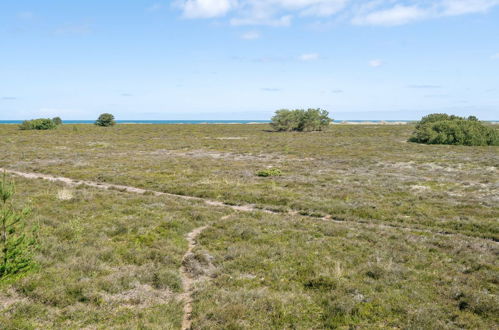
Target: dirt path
[
  {"x": 135, "y": 190},
  {"x": 187, "y": 279},
  {"x": 243, "y": 208}
]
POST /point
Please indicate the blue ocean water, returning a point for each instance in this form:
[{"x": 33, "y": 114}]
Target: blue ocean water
[{"x": 133, "y": 121}]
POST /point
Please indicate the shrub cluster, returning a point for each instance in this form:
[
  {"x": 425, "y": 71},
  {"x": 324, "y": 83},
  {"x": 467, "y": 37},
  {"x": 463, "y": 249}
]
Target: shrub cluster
[
  {"x": 269, "y": 172},
  {"x": 441, "y": 128},
  {"x": 300, "y": 120},
  {"x": 105, "y": 120},
  {"x": 38, "y": 124}
]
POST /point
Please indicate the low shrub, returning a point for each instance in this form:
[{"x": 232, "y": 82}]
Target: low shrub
[
  {"x": 57, "y": 121},
  {"x": 269, "y": 172},
  {"x": 453, "y": 130},
  {"x": 105, "y": 120},
  {"x": 38, "y": 124},
  {"x": 300, "y": 120}
]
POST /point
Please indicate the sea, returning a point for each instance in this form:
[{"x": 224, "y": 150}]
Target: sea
[{"x": 133, "y": 121}]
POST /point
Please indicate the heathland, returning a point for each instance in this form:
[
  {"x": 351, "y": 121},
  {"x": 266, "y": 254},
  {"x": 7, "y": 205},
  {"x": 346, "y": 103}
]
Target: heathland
[{"x": 365, "y": 229}]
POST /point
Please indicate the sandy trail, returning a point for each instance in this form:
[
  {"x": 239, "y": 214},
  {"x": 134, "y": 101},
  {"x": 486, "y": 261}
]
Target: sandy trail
[
  {"x": 243, "y": 208},
  {"x": 187, "y": 279},
  {"x": 135, "y": 190}
]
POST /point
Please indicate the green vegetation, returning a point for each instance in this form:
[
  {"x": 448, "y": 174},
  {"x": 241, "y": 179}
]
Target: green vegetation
[
  {"x": 105, "y": 120},
  {"x": 269, "y": 172},
  {"x": 409, "y": 238},
  {"x": 38, "y": 124},
  {"x": 300, "y": 120},
  {"x": 16, "y": 246},
  {"x": 57, "y": 121},
  {"x": 450, "y": 129}
]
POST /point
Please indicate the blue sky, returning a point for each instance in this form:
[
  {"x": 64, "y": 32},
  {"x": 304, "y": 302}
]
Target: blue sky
[{"x": 243, "y": 59}]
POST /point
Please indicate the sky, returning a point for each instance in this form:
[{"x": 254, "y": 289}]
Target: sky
[{"x": 244, "y": 59}]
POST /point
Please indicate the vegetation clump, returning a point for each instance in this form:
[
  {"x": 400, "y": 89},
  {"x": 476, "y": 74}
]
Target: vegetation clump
[
  {"x": 300, "y": 120},
  {"x": 105, "y": 120},
  {"x": 16, "y": 246},
  {"x": 440, "y": 128},
  {"x": 57, "y": 121},
  {"x": 269, "y": 172},
  {"x": 38, "y": 124}
]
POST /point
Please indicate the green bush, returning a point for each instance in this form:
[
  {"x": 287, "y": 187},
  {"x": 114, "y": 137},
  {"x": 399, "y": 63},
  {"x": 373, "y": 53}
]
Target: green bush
[
  {"x": 57, "y": 121},
  {"x": 449, "y": 129},
  {"x": 16, "y": 245},
  {"x": 38, "y": 124},
  {"x": 300, "y": 120},
  {"x": 269, "y": 172},
  {"x": 105, "y": 120}
]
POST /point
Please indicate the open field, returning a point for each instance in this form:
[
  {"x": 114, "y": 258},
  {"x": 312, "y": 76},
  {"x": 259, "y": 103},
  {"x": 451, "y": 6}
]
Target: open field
[{"x": 367, "y": 230}]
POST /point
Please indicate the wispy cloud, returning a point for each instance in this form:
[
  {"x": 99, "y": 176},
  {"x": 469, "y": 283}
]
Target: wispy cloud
[
  {"x": 267, "y": 89},
  {"x": 495, "y": 56},
  {"x": 375, "y": 63},
  {"x": 205, "y": 8},
  {"x": 424, "y": 86},
  {"x": 337, "y": 91},
  {"x": 397, "y": 15},
  {"x": 437, "y": 96},
  {"x": 126, "y": 94},
  {"x": 26, "y": 15},
  {"x": 251, "y": 35},
  {"x": 309, "y": 57},
  {"x": 389, "y": 13},
  {"x": 73, "y": 29},
  {"x": 269, "y": 21},
  {"x": 155, "y": 7},
  {"x": 9, "y": 98},
  {"x": 369, "y": 12}
]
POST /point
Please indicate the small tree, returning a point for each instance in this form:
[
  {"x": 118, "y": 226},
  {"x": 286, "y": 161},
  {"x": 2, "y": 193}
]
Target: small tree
[
  {"x": 300, "y": 120},
  {"x": 57, "y": 121},
  {"x": 105, "y": 120},
  {"x": 16, "y": 247}
]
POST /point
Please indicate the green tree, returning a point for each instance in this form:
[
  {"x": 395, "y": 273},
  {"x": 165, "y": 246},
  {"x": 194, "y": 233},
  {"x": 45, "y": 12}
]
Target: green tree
[
  {"x": 300, "y": 120},
  {"x": 454, "y": 130},
  {"x": 16, "y": 244},
  {"x": 57, "y": 121},
  {"x": 105, "y": 120}
]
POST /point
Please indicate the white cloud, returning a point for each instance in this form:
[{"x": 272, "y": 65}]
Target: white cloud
[
  {"x": 281, "y": 21},
  {"x": 461, "y": 7},
  {"x": 397, "y": 15},
  {"x": 309, "y": 57},
  {"x": 375, "y": 63},
  {"x": 495, "y": 56},
  {"x": 205, "y": 8},
  {"x": 359, "y": 12},
  {"x": 388, "y": 13},
  {"x": 250, "y": 35}
]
